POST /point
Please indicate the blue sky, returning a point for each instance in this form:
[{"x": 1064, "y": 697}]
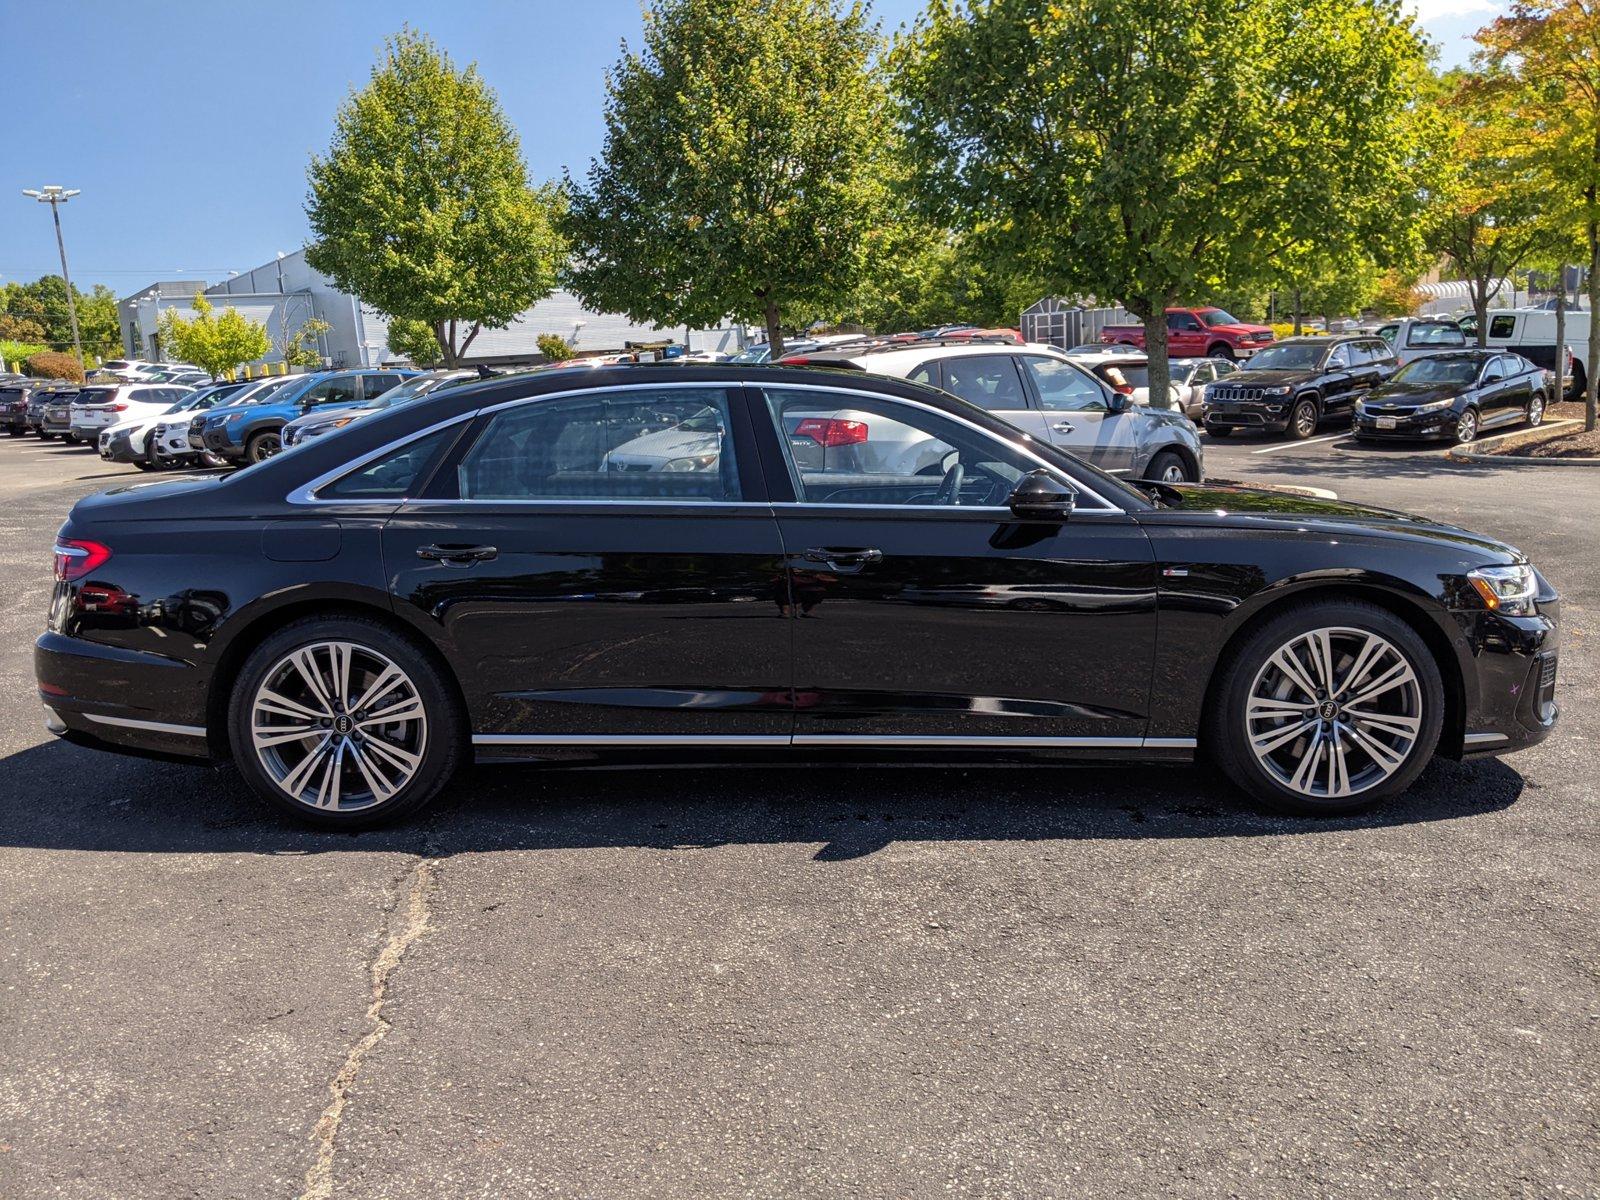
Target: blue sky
[{"x": 188, "y": 124}]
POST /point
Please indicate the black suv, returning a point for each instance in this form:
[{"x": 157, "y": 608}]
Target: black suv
[{"x": 1292, "y": 386}]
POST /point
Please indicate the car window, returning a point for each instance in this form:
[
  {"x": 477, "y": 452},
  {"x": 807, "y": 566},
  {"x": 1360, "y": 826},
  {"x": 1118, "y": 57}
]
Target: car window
[
  {"x": 331, "y": 391},
  {"x": 926, "y": 373},
  {"x": 1503, "y": 325},
  {"x": 645, "y": 444},
  {"x": 1184, "y": 322},
  {"x": 1223, "y": 368},
  {"x": 1388, "y": 332},
  {"x": 374, "y": 386},
  {"x": 860, "y": 449},
  {"x": 1494, "y": 370},
  {"x": 1435, "y": 334},
  {"x": 1062, "y": 386},
  {"x": 1358, "y": 353},
  {"x": 394, "y": 475},
  {"x": 1339, "y": 358},
  {"x": 987, "y": 380}
]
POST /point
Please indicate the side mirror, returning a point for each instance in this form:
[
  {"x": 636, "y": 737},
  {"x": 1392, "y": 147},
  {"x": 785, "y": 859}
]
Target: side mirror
[
  {"x": 1040, "y": 495},
  {"x": 1118, "y": 401}
]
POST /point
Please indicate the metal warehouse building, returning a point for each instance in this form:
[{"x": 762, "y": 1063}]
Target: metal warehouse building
[{"x": 287, "y": 292}]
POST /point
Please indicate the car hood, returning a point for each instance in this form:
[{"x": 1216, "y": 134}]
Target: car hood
[
  {"x": 1241, "y": 327},
  {"x": 324, "y": 415},
  {"x": 1275, "y": 378},
  {"x": 1416, "y": 393},
  {"x": 1267, "y": 509},
  {"x": 667, "y": 444}
]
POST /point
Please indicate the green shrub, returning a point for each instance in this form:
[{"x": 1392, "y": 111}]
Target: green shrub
[
  {"x": 52, "y": 364},
  {"x": 554, "y": 347},
  {"x": 16, "y": 353}
]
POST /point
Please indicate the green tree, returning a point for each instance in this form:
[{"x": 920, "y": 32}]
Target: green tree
[
  {"x": 301, "y": 349},
  {"x": 742, "y": 171},
  {"x": 554, "y": 347},
  {"x": 98, "y": 324},
  {"x": 1143, "y": 154},
  {"x": 217, "y": 345},
  {"x": 422, "y": 205},
  {"x": 414, "y": 340},
  {"x": 1543, "y": 66}
]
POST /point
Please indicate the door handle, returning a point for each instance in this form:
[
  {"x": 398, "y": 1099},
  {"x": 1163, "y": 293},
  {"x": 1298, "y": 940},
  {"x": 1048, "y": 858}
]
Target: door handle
[
  {"x": 1064, "y": 427},
  {"x": 842, "y": 560},
  {"x": 458, "y": 556}
]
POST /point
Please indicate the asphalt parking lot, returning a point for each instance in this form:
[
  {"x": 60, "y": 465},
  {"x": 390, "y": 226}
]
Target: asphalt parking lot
[{"x": 805, "y": 980}]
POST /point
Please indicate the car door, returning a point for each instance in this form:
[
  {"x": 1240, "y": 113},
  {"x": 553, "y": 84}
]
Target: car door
[
  {"x": 921, "y": 620},
  {"x": 1500, "y": 396},
  {"x": 1366, "y": 371},
  {"x": 993, "y": 382},
  {"x": 1186, "y": 336},
  {"x": 1338, "y": 382},
  {"x": 1205, "y": 372},
  {"x": 1080, "y": 414},
  {"x": 338, "y": 391},
  {"x": 594, "y": 569}
]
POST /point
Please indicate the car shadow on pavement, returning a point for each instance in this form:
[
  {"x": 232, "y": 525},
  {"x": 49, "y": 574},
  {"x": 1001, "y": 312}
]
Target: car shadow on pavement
[{"x": 57, "y": 796}]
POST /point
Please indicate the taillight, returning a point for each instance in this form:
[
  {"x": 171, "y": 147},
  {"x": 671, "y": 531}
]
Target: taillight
[
  {"x": 75, "y": 559},
  {"x": 116, "y": 408},
  {"x": 1123, "y": 389},
  {"x": 831, "y": 431}
]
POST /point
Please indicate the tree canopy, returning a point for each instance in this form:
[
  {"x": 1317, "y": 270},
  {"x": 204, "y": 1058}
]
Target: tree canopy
[
  {"x": 1130, "y": 150},
  {"x": 741, "y": 174},
  {"x": 215, "y": 344},
  {"x": 422, "y": 205}
]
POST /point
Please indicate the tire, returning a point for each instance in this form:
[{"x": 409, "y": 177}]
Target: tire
[
  {"x": 1223, "y": 351},
  {"x": 1302, "y": 420},
  {"x": 423, "y": 746},
  {"x": 69, "y": 439},
  {"x": 1412, "y": 710},
  {"x": 1220, "y": 431},
  {"x": 1169, "y": 467},
  {"x": 15, "y": 432},
  {"x": 1467, "y": 427},
  {"x": 46, "y": 437},
  {"x": 1536, "y": 410},
  {"x": 262, "y": 446}
]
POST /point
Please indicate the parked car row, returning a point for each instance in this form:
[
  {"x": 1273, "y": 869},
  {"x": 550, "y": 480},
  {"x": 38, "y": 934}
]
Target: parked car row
[{"x": 1297, "y": 385}]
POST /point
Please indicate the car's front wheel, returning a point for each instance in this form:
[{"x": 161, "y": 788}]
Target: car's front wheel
[
  {"x": 1327, "y": 708},
  {"x": 344, "y": 723},
  {"x": 1303, "y": 420},
  {"x": 263, "y": 445},
  {"x": 1467, "y": 427},
  {"x": 1536, "y": 409},
  {"x": 1169, "y": 467}
]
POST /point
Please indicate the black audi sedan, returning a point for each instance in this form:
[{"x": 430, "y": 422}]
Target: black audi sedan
[
  {"x": 1293, "y": 386},
  {"x": 719, "y": 560},
  {"x": 1455, "y": 396}
]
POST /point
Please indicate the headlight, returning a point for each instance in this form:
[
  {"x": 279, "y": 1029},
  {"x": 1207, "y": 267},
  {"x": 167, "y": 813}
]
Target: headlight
[
  {"x": 1435, "y": 406},
  {"x": 232, "y": 417},
  {"x": 697, "y": 462},
  {"x": 1277, "y": 391},
  {"x": 1506, "y": 590}
]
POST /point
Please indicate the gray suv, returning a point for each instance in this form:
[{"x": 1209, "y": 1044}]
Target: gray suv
[{"x": 1043, "y": 392}]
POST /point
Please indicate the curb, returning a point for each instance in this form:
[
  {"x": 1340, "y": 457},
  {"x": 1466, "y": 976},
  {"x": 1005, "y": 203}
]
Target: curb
[{"x": 1462, "y": 455}]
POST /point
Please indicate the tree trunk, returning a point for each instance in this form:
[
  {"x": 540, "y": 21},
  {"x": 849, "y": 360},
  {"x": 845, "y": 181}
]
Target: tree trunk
[
  {"x": 769, "y": 311},
  {"x": 1480, "y": 309},
  {"x": 1593, "y": 357},
  {"x": 1158, "y": 369},
  {"x": 1561, "y": 335},
  {"x": 446, "y": 339}
]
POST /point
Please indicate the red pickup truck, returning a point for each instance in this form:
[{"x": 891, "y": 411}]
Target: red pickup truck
[{"x": 1197, "y": 333}]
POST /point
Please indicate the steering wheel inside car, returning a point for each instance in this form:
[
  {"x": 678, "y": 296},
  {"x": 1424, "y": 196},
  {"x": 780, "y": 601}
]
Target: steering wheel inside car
[{"x": 950, "y": 486}]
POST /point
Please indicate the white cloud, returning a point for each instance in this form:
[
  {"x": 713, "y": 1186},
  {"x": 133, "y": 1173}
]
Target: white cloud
[{"x": 1429, "y": 11}]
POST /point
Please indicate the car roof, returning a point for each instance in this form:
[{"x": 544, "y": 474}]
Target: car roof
[
  {"x": 898, "y": 359},
  {"x": 1474, "y": 353}
]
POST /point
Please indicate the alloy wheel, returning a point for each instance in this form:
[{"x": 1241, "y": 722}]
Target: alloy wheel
[
  {"x": 1536, "y": 410},
  {"x": 1333, "y": 712},
  {"x": 1467, "y": 427},
  {"x": 1305, "y": 420},
  {"x": 1173, "y": 473},
  {"x": 338, "y": 726},
  {"x": 265, "y": 446}
]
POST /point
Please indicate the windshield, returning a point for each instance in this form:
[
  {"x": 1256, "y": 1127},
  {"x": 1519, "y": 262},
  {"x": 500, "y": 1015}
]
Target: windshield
[
  {"x": 266, "y": 391},
  {"x": 1437, "y": 370},
  {"x": 411, "y": 389},
  {"x": 755, "y": 354},
  {"x": 1286, "y": 356},
  {"x": 1217, "y": 316}
]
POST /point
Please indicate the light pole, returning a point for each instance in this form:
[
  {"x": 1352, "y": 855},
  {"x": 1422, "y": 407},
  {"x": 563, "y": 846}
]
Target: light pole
[{"x": 55, "y": 196}]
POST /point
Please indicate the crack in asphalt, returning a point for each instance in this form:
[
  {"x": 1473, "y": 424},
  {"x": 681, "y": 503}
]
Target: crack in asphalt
[{"x": 406, "y": 920}]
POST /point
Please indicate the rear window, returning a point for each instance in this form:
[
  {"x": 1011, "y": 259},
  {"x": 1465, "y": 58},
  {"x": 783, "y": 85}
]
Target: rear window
[
  {"x": 96, "y": 395},
  {"x": 1435, "y": 335}
]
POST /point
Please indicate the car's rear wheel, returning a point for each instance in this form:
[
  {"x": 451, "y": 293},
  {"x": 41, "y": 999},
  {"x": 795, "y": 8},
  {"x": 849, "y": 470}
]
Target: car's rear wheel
[
  {"x": 263, "y": 445},
  {"x": 1169, "y": 467},
  {"x": 1467, "y": 427},
  {"x": 1536, "y": 409},
  {"x": 1303, "y": 420},
  {"x": 1329, "y": 707},
  {"x": 344, "y": 723},
  {"x": 1223, "y": 351}
]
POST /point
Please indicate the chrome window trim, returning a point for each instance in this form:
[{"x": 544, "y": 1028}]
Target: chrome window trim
[
  {"x": 911, "y": 741},
  {"x": 306, "y": 493}
]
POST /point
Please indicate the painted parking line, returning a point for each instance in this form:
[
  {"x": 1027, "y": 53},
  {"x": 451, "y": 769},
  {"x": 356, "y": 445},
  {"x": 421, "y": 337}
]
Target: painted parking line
[{"x": 1332, "y": 437}]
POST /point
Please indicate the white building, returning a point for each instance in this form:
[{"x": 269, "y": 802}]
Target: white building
[{"x": 285, "y": 293}]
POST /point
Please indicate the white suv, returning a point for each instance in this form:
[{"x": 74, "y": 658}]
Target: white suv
[
  {"x": 1043, "y": 392},
  {"x": 99, "y": 406}
]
